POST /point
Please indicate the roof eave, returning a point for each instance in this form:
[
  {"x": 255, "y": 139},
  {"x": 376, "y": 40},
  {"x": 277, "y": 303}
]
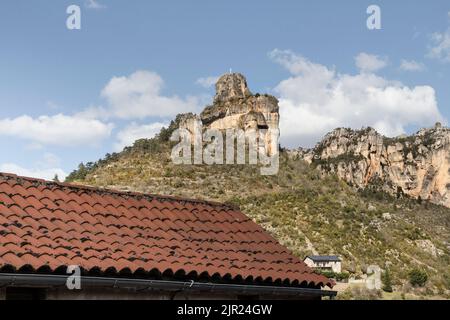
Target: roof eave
[{"x": 48, "y": 281}]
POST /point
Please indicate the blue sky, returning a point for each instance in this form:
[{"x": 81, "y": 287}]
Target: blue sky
[{"x": 68, "y": 96}]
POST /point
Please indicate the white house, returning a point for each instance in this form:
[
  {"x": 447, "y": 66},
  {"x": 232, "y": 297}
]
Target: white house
[{"x": 331, "y": 263}]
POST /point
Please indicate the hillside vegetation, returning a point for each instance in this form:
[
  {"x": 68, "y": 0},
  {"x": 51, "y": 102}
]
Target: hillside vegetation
[{"x": 305, "y": 212}]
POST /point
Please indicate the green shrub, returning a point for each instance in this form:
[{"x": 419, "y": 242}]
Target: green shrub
[
  {"x": 418, "y": 278},
  {"x": 415, "y": 234},
  {"x": 387, "y": 281}
]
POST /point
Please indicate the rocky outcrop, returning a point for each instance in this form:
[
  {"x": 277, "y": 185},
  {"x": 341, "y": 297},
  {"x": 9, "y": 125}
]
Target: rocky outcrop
[
  {"x": 429, "y": 247},
  {"x": 235, "y": 107},
  {"x": 230, "y": 87},
  {"x": 416, "y": 165}
]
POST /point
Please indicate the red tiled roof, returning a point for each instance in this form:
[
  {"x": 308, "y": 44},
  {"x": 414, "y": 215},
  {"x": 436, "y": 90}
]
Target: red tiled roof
[{"x": 46, "y": 226}]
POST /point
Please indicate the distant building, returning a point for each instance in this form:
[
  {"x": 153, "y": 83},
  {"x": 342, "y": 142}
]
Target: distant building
[{"x": 329, "y": 263}]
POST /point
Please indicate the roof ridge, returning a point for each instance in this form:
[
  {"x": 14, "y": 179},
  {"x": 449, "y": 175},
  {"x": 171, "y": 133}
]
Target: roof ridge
[{"x": 118, "y": 192}]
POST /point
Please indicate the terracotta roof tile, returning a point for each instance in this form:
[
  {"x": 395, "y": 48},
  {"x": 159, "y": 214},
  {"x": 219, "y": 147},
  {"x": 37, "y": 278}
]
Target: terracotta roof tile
[{"x": 46, "y": 224}]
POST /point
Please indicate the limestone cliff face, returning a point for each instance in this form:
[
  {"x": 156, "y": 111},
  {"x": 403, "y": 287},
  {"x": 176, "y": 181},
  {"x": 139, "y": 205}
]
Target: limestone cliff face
[
  {"x": 235, "y": 107},
  {"x": 417, "y": 165}
]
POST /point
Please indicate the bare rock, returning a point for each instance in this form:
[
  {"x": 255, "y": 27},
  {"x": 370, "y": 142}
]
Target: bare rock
[
  {"x": 235, "y": 107},
  {"x": 427, "y": 246},
  {"x": 416, "y": 165},
  {"x": 231, "y": 86},
  {"x": 387, "y": 216}
]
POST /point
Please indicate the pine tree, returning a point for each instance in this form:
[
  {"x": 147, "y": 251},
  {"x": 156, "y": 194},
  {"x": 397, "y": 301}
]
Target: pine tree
[{"x": 387, "y": 282}]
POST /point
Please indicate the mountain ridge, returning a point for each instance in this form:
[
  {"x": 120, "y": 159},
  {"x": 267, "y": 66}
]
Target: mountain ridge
[{"x": 417, "y": 165}]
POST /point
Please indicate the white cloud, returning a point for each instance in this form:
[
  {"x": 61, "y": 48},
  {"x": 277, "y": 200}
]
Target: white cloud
[
  {"x": 94, "y": 4},
  {"x": 33, "y": 146},
  {"x": 46, "y": 168},
  {"x": 139, "y": 96},
  {"x": 133, "y": 132},
  {"x": 316, "y": 99},
  {"x": 440, "y": 47},
  {"x": 207, "y": 82},
  {"x": 47, "y": 174},
  {"x": 58, "y": 130},
  {"x": 50, "y": 160},
  {"x": 411, "y": 65},
  {"x": 369, "y": 62},
  {"x": 53, "y": 106}
]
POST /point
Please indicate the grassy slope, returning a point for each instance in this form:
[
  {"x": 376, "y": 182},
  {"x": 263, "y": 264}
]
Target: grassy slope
[{"x": 301, "y": 210}]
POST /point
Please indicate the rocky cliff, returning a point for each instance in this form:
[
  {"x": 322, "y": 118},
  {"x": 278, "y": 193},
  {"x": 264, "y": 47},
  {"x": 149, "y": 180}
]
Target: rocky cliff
[
  {"x": 416, "y": 165},
  {"x": 235, "y": 107}
]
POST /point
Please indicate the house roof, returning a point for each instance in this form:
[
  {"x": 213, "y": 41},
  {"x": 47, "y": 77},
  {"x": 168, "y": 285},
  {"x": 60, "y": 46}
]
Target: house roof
[
  {"x": 47, "y": 226},
  {"x": 324, "y": 258}
]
